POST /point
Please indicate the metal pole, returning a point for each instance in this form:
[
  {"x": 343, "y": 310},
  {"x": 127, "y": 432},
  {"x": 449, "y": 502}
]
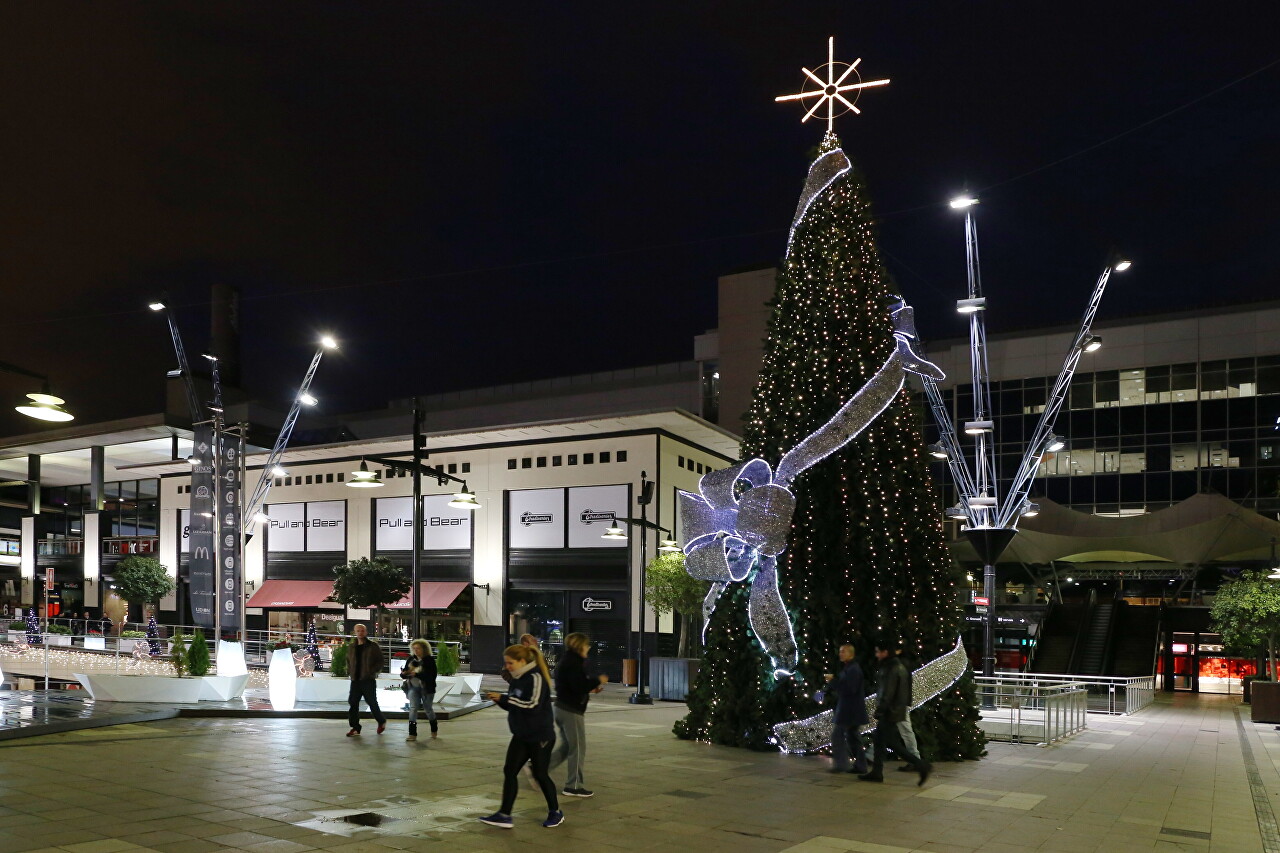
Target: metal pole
[
  {"x": 244, "y": 520},
  {"x": 989, "y": 621},
  {"x": 217, "y": 527},
  {"x": 415, "y": 561},
  {"x": 641, "y": 696}
]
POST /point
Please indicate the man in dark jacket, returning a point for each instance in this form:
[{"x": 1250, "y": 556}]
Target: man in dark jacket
[
  {"x": 364, "y": 662},
  {"x": 851, "y": 714},
  {"x": 893, "y": 700}
]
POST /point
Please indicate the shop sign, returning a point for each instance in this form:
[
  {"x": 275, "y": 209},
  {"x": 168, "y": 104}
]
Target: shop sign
[
  {"x": 535, "y": 518},
  {"x": 286, "y": 527},
  {"x": 230, "y": 560},
  {"x": 596, "y": 605},
  {"x": 591, "y": 510},
  {"x": 444, "y": 528},
  {"x": 314, "y": 526},
  {"x": 200, "y": 527}
]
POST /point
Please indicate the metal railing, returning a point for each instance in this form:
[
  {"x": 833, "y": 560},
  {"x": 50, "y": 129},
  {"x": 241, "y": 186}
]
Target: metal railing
[
  {"x": 1107, "y": 694},
  {"x": 1016, "y": 711}
]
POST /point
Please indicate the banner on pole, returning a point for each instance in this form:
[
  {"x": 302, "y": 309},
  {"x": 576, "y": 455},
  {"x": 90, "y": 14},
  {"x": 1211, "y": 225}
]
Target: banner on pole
[
  {"x": 203, "y": 507},
  {"x": 229, "y": 555}
]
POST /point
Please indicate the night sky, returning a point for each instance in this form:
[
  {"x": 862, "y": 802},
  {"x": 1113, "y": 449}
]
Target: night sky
[{"x": 470, "y": 194}]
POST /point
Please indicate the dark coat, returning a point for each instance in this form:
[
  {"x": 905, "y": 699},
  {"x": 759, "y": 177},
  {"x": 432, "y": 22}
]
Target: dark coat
[
  {"x": 528, "y": 707},
  {"x": 573, "y": 685},
  {"x": 426, "y": 675},
  {"x": 364, "y": 660},
  {"x": 849, "y": 688},
  {"x": 894, "y": 695}
]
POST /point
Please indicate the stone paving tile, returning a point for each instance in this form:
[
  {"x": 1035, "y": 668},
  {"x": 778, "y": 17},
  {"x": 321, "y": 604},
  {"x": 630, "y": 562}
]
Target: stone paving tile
[{"x": 189, "y": 786}]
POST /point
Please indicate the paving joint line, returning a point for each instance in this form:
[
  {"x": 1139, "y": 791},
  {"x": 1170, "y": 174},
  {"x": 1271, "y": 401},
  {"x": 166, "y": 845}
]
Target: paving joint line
[{"x": 1261, "y": 804}]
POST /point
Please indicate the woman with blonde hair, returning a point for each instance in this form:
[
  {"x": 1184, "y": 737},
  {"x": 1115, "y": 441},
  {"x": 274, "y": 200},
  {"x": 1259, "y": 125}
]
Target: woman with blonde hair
[
  {"x": 573, "y": 690},
  {"x": 528, "y": 706},
  {"x": 419, "y": 674}
]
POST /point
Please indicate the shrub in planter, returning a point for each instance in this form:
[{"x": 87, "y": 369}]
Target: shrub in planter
[
  {"x": 17, "y": 626},
  {"x": 58, "y": 629},
  {"x": 338, "y": 661},
  {"x": 178, "y": 657},
  {"x": 198, "y": 656},
  {"x": 447, "y": 659},
  {"x": 134, "y": 635}
]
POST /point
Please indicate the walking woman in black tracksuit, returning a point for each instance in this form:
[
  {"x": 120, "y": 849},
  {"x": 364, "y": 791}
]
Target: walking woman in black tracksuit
[{"x": 528, "y": 706}]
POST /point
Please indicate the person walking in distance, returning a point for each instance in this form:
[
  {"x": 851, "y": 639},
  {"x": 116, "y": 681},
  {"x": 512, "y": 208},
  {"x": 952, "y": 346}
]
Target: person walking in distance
[
  {"x": 905, "y": 730},
  {"x": 893, "y": 698},
  {"x": 528, "y": 706},
  {"x": 364, "y": 662},
  {"x": 419, "y": 674},
  {"x": 851, "y": 714},
  {"x": 573, "y": 690}
]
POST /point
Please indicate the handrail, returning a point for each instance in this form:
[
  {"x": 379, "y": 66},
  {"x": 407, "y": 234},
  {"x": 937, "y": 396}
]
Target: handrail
[
  {"x": 1123, "y": 695},
  {"x": 1020, "y": 712}
]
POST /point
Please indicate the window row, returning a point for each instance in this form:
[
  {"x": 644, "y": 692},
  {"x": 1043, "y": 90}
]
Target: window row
[{"x": 604, "y": 456}]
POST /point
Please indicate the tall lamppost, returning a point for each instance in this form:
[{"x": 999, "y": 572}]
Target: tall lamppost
[
  {"x": 641, "y": 696},
  {"x": 988, "y": 521},
  {"x": 464, "y": 499}
]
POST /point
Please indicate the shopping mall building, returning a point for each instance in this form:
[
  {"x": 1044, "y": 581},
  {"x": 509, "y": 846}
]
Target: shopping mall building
[{"x": 1171, "y": 469}]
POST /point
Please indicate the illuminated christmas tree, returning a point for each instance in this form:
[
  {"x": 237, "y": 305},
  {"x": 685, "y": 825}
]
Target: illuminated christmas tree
[
  {"x": 865, "y": 561},
  {"x": 313, "y": 644},
  {"x": 34, "y": 635},
  {"x": 153, "y": 635}
]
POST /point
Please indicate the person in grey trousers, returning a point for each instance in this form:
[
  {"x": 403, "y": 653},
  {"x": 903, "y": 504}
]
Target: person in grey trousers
[{"x": 573, "y": 691}]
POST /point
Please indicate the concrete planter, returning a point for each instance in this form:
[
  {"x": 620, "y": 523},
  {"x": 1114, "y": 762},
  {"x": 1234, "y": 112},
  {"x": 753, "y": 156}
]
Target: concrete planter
[
  {"x": 141, "y": 688},
  {"x": 222, "y": 688},
  {"x": 323, "y": 687},
  {"x": 17, "y": 636},
  {"x": 57, "y": 639}
]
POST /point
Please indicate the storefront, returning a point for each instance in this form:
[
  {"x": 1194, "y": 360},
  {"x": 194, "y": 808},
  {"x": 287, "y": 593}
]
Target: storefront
[
  {"x": 303, "y": 542},
  {"x": 562, "y": 577},
  {"x": 445, "y": 596}
]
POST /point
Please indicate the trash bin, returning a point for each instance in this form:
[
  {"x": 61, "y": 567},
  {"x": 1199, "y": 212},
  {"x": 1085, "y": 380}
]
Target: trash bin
[{"x": 629, "y": 672}]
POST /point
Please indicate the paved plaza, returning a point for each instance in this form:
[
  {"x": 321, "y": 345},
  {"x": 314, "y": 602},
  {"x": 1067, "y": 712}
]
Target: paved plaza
[{"x": 1189, "y": 773}]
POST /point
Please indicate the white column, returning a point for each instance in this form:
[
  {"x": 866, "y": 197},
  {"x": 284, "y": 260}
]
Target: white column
[
  {"x": 169, "y": 542},
  {"x": 92, "y": 551},
  {"x": 487, "y": 558},
  {"x": 28, "y": 559}
]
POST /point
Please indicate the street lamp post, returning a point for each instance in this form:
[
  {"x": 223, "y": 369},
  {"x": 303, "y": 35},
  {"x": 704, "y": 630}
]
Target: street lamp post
[
  {"x": 464, "y": 499},
  {"x": 990, "y": 522},
  {"x": 641, "y": 696}
]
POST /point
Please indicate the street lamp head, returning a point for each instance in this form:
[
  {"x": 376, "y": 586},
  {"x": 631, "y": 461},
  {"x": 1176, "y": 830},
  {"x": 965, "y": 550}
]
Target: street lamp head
[
  {"x": 465, "y": 499},
  {"x": 306, "y": 399},
  {"x": 277, "y": 471},
  {"x": 971, "y": 306},
  {"x": 937, "y": 451},
  {"x": 45, "y": 407},
  {"x": 156, "y": 306},
  {"x": 209, "y": 356},
  {"x": 614, "y": 531},
  {"x": 978, "y": 427},
  {"x": 364, "y": 478},
  {"x": 328, "y": 342},
  {"x": 1053, "y": 444},
  {"x": 1092, "y": 343},
  {"x": 1121, "y": 266},
  {"x": 962, "y": 202},
  {"x": 193, "y": 459},
  {"x": 956, "y": 512},
  {"x": 1030, "y": 510},
  {"x": 668, "y": 546},
  {"x": 261, "y": 517}
]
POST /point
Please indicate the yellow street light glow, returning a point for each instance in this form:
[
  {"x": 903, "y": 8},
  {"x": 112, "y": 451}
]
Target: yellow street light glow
[
  {"x": 830, "y": 90},
  {"x": 45, "y": 407}
]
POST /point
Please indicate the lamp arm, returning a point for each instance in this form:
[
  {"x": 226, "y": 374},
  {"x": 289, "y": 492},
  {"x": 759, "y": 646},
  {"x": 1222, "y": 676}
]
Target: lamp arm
[
  {"x": 1020, "y": 488},
  {"x": 282, "y": 441},
  {"x": 956, "y": 461}
]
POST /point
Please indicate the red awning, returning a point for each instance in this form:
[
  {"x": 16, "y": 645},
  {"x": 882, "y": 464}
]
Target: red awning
[
  {"x": 433, "y": 595},
  {"x": 291, "y": 594}
]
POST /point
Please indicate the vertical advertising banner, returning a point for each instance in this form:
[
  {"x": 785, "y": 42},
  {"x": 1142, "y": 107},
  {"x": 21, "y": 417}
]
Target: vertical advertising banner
[
  {"x": 200, "y": 534},
  {"x": 229, "y": 556}
]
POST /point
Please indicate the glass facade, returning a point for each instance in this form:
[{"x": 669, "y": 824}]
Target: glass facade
[
  {"x": 130, "y": 508},
  {"x": 1145, "y": 438}
]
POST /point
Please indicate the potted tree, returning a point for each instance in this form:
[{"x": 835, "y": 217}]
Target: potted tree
[
  {"x": 1246, "y": 612},
  {"x": 670, "y": 589},
  {"x": 368, "y": 584},
  {"x": 141, "y": 580}
]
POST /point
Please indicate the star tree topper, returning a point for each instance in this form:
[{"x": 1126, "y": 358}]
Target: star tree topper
[{"x": 831, "y": 90}]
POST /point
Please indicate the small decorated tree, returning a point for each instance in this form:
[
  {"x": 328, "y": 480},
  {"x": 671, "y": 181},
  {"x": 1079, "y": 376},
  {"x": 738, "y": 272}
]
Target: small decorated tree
[
  {"x": 153, "y": 635},
  {"x": 447, "y": 659},
  {"x": 1246, "y": 612},
  {"x": 312, "y": 645},
  {"x": 34, "y": 635},
  {"x": 369, "y": 583},
  {"x": 198, "y": 655},
  {"x": 178, "y": 657},
  {"x": 669, "y": 588}
]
